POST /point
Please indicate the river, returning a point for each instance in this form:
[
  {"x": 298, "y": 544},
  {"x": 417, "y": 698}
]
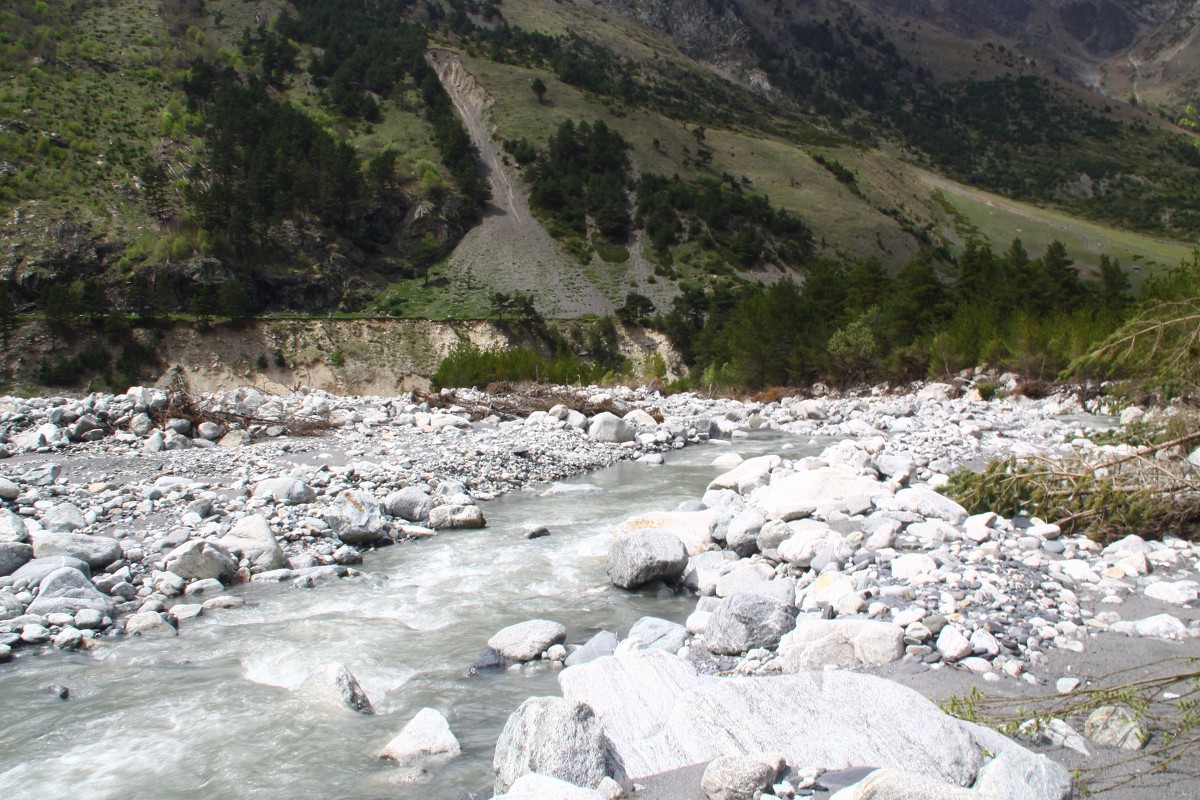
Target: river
[{"x": 213, "y": 713}]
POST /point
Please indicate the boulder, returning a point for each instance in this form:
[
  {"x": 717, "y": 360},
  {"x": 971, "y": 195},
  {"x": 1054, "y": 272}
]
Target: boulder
[
  {"x": 63, "y": 518},
  {"x": 931, "y": 505},
  {"x": 149, "y": 623},
  {"x": 830, "y": 488},
  {"x": 333, "y": 684},
  {"x": 849, "y": 643},
  {"x": 736, "y": 778},
  {"x": 1016, "y": 772},
  {"x": 748, "y": 475},
  {"x": 38, "y": 568},
  {"x": 197, "y": 560},
  {"x": 895, "y": 784},
  {"x": 456, "y": 517},
  {"x": 97, "y": 551},
  {"x": 67, "y": 590},
  {"x": 426, "y": 737},
  {"x": 9, "y": 490},
  {"x": 608, "y": 427},
  {"x": 640, "y": 420},
  {"x": 251, "y": 538},
  {"x": 13, "y": 556},
  {"x": 652, "y": 633},
  {"x": 551, "y": 736},
  {"x": 745, "y": 621},
  {"x": 534, "y": 786},
  {"x": 658, "y": 714},
  {"x": 694, "y": 528},
  {"x": 526, "y": 641},
  {"x": 1115, "y": 726},
  {"x": 602, "y": 644},
  {"x": 356, "y": 517},
  {"x": 409, "y": 503},
  {"x": 910, "y": 565},
  {"x": 286, "y": 490},
  {"x": 12, "y": 527},
  {"x": 742, "y": 535},
  {"x": 642, "y": 556}
]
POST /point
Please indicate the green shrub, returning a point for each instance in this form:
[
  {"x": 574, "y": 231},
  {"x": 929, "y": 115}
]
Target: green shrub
[{"x": 467, "y": 365}]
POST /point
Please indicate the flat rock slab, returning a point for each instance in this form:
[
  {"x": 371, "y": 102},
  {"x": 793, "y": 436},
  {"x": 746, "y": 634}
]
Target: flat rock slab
[
  {"x": 660, "y": 715},
  {"x": 526, "y": 641}
]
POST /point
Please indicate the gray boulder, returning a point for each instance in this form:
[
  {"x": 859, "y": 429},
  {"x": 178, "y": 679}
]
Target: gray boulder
[
  {"x": 607, "y": 427},
  {"x": 894, "y": 784},
  {"x": 842, "y": 642},
  {"x": 1016, "y": 772},
  {"x": 97, "y": 551},
  {"x": 658, "y": 714},
  {"x": 736, "y": 778},
  {"x": 10, "y": 606},
  {"x": 13, "y": 556},
  {"x": 12, "y": 527},
  {"x": 532, "y": 786},
  {"x": 526, "y": 641},
  {"x": 335, "y": 685},
  {"x": 426, "y": 737},
  {"x": 742, "y": 535},
  {"x": 642, "y": 556},
  {"x": 745, "y": 621},
  {"x": 455, "y": 517},
  {"x": 67, "y": 591},
  {"x": 199, "y": 560},
  {"x": 38, "y": 568},
  {"x": 286, "y": 490},
  {"x": 551, "y": 736},
  {"x": 251, "y": 538},
  {"x": 149, "y": 623},
  {"x": 63, "y": 518},
  {"x": 409, "y": 503},
  {"x": 652, "y": 633},
  {"x": 602, "y": 644},
  {"x": 9, "y": 490},
  {"x": 356, "y": 517}
]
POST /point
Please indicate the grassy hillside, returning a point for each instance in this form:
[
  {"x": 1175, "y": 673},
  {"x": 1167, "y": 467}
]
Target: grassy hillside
[{"x": 118, "y": 169}]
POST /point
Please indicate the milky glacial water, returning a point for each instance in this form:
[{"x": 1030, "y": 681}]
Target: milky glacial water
[{"x": 213, "y": 713}]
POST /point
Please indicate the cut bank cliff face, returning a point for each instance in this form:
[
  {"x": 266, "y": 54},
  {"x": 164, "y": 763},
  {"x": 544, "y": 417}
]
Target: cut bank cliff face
[{"x": 376, "y": 356}]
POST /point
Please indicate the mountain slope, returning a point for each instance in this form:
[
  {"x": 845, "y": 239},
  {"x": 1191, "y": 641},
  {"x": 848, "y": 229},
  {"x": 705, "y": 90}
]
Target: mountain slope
[{"x": 318, "y": 160}]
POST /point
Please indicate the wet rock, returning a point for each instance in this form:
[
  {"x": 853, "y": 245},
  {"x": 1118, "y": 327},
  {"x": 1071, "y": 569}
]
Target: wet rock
[
  {"x": 426, "y": 738},
  {"x": 551, "y": 736},
  {"x": 526, "y": 641},
  {"x": 642, "y": 556},
  {"x": 453, "y": 517},
  {"x": 333, "y": 684},
  {"x": 149, "y": 623},
  {"x": 489, "y": 660}
]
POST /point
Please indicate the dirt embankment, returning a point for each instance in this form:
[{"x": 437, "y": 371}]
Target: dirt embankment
[{"x": 346, "y": 356}]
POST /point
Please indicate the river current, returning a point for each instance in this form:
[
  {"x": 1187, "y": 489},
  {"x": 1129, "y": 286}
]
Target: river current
[{"x": 214, "y": 712}]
